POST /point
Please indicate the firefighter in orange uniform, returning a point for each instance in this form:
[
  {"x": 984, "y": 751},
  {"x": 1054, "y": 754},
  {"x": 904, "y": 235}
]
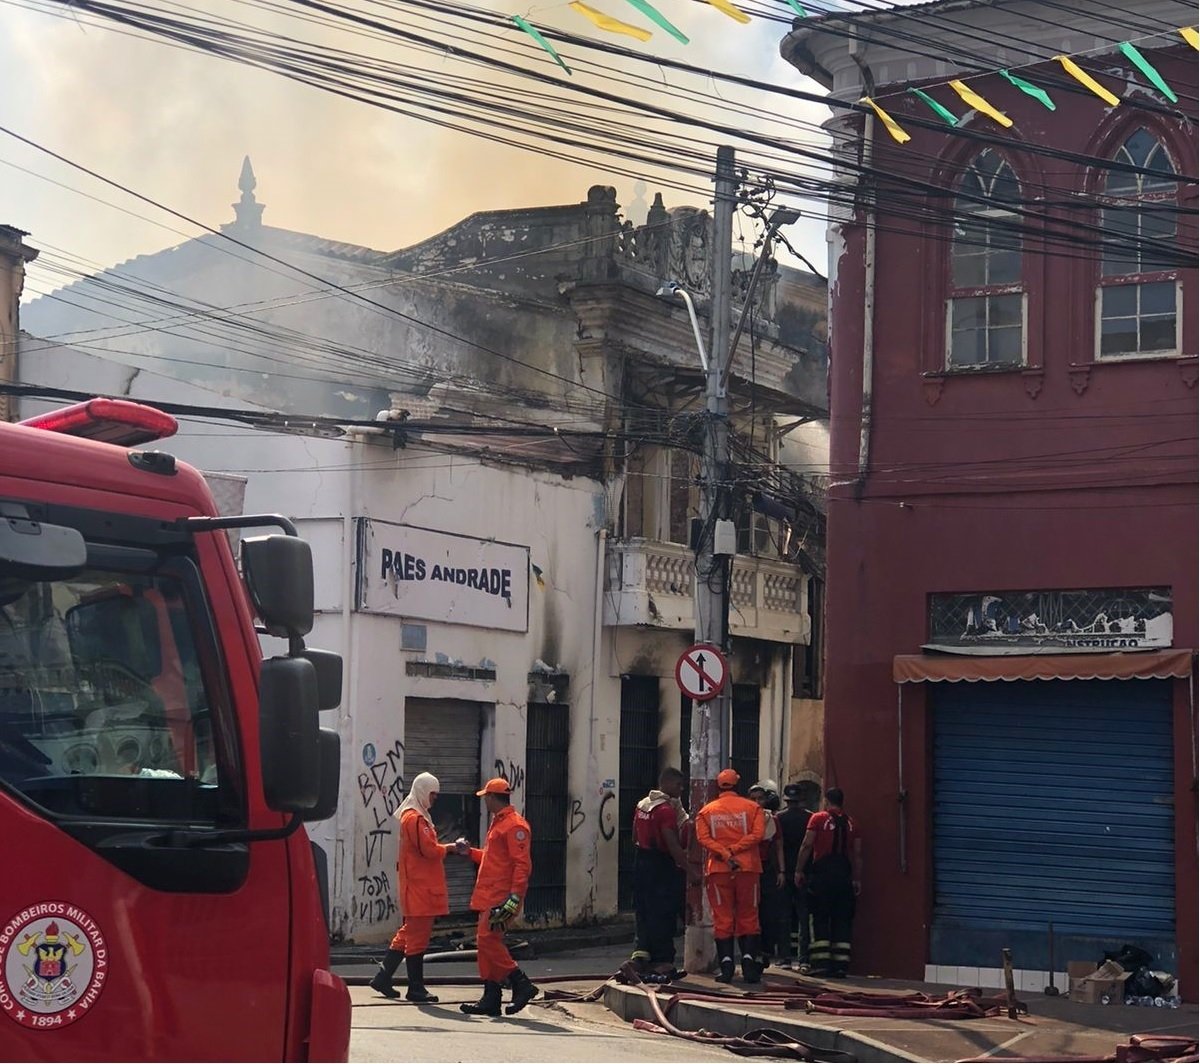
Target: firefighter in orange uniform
[
  {"x": 504, "y": 867},
  {"x": 423, "y": 896},
  {"x": 730, "y": 828}
]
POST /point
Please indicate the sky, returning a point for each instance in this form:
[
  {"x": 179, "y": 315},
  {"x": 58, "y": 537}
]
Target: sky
[{"x": 175, "y": 125}]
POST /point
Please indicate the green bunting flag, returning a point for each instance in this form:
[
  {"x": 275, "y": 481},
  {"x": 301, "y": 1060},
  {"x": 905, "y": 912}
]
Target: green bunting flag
[
  {"x": 950, "y": 118},
  {"x": 1030, "y": 90},
  {"x": 1143, "y": 64},
  {"x": 654, "y": 15},
  {"x": 532, "y": 31},
  {"x": 797, "y": 8}
]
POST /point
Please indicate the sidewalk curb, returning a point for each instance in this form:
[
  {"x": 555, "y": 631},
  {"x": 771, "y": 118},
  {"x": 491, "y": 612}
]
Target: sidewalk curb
[
  {"x": 535, "y": 943},
  {"x": 630, "y": 1004}
]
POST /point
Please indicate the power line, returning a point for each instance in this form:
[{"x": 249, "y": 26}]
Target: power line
[{"x": 1054, "y": 233}]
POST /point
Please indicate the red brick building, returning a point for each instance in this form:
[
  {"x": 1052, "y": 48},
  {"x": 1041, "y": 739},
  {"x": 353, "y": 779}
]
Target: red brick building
[{"x": 1012, "y": 576}]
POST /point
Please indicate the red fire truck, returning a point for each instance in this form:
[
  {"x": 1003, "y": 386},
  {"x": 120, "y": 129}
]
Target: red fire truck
[{"x": 159, "y": 899}]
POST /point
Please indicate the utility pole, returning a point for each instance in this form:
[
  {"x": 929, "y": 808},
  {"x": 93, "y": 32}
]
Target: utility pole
[{"x": 710, "y": 719}]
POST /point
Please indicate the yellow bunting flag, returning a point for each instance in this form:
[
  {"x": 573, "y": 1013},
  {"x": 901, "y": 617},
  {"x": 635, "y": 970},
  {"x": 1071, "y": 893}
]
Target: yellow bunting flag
[
  {"x": 889, "y": 123},
  {"x": 1085, "y": 79},
  {"x": 1191, "y": 36},
  {"x": 972, "y": 99},
  {"x": 726, "y": 8},
  {"x": 607, "y": 22}
]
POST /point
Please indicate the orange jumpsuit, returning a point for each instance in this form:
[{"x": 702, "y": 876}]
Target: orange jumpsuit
[
  {"x": 422, "y": 877},
  {"x": 504, "y": 867},
  {"x": 731, "y": 826}
]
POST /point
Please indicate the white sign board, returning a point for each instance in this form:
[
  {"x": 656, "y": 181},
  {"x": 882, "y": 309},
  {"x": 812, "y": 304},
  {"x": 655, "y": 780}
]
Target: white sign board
[{"x": 442, "y": 576}]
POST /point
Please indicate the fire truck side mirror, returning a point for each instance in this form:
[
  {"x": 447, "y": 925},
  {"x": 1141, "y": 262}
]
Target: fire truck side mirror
[
  {"x": 329, "y": 676},
  {"x": 289, "y": 734},
  {"x": 330, "y": 744},
  {"x": 279, "y": 577}
]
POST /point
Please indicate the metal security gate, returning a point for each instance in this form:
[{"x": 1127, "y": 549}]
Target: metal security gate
[
  {"x": 743, "y": 740},
  {"x": 1052, "y": 804},
  {"x": 639, "y": 769},
  {"x": 547, "y": 738},
  {"x": 442, "y": 736}
]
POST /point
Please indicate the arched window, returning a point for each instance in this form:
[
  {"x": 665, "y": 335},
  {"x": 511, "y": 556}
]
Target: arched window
[
  {"x": 1137, "y": 303},
  {"x": 985, "y": 314}
]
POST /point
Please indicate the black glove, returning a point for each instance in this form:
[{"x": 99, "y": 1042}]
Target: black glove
[{"x": 502, "y": 915}]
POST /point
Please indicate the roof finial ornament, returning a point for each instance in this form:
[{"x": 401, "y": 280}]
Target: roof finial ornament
[{"x": 248, "y": 209}]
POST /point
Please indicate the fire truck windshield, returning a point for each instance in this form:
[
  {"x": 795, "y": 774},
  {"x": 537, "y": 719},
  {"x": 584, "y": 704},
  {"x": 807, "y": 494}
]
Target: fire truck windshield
[{"x": 111, "y": 692}]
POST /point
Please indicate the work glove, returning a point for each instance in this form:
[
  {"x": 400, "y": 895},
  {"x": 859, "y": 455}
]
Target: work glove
[{"x": 502, "y": 915}]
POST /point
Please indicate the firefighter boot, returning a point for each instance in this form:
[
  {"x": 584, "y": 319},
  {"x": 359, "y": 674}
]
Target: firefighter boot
[
  {"x": 523, "y": 992},
  {"x": 725, "y": 956},
  {"x": 752, "y": 967},
  {"x": 382, "y": 983},
  {"x": 488, "y": 1005},
  {"x": 415, "y": 966}
]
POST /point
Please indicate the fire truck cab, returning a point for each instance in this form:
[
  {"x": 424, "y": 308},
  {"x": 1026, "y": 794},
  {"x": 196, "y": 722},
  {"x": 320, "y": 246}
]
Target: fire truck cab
[{"x": 160, "y": 898}]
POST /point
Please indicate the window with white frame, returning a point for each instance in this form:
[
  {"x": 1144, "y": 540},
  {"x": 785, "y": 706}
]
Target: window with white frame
[
  {"x": 1137, "y": 299},
  {"x": 985, "y": 313}
]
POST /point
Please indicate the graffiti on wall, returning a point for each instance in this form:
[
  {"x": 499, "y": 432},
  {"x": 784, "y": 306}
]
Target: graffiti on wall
[
  {"x": 511, "y": 771},
  {"x": 577, "y": 818},
  {"x": 607, "y": 815},
  {"x": 381, "y": 789}
]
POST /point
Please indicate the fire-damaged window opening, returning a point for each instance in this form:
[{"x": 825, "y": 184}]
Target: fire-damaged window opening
[
  {"x": 808, "y": 674},
  {"x": 662, "y": 494}
]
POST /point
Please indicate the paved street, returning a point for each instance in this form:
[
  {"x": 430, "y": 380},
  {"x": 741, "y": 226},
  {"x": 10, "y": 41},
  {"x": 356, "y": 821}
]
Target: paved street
[
  {"x": 583, "y": 1032},
  {"x": 386, "y": 1031},
  {"x": 576, "y": 1033}
]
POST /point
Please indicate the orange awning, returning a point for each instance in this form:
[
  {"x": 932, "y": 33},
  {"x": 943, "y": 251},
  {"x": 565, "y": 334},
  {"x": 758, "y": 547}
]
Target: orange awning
[{"x": 1145, "y": 665}]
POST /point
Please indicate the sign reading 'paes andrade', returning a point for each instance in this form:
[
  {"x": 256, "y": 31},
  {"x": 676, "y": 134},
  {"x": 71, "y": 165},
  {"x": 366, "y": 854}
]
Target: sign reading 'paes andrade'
[
  {"x": 1051, "y": 622},
  {"x": 442, "y": 576}
]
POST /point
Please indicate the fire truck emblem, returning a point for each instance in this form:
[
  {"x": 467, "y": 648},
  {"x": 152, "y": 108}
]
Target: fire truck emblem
[{"x": 53, "y": 965}]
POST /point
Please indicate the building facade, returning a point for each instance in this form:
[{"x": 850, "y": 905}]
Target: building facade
[
  {"x": 14, "y": 254},
  {"x": 1011, "y": 607},
  {"x": 499, "y": 509}
]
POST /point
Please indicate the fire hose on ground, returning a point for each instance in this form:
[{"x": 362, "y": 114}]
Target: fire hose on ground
[
  {"x": 817, "y": 997},
  {"x": 763, "y": 1041},
  {"x": 1140, "y": 1049}
]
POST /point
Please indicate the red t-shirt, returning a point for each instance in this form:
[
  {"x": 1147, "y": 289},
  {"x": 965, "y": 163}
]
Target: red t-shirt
[
  {"x": 825, "y": 826},
  {"x": 648, "y": 827}
]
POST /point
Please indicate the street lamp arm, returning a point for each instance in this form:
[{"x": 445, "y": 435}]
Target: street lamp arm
[{"x": 673, "y": 289}]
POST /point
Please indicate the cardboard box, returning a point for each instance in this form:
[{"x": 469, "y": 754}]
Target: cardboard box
[{"x": 1092, "y": 985}]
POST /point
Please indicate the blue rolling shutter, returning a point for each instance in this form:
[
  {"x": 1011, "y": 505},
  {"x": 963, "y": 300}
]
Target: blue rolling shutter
[{"x": 1052, "y": 803}]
